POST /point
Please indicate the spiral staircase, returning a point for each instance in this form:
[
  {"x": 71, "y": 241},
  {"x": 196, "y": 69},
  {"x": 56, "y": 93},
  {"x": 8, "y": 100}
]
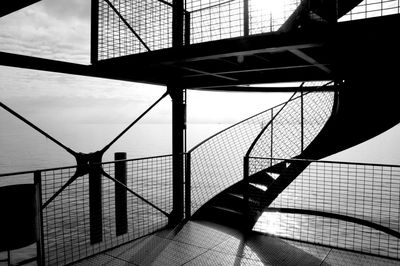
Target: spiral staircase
[{"x": 241, "y": 204}]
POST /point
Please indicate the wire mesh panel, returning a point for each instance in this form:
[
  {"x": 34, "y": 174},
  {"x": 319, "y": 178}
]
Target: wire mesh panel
[
  {"x": 293, "y": 128},
  {"x": 373, "y": 8},
  {"x": 344, "y": 205},
  {"x": 217, "y": 163},
  {"x": 131, "y": 26},
  {"x": 317, "y": 110},
  {"x": 127, "y": 26},
  {"x": 215, "y": 20},
  {"x": 66, "y": 220},
  {"x": 269, "y": 15}
]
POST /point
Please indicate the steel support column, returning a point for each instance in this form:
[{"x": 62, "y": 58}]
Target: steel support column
[
  {"x": 178, "y": 97},
  {"x": 94, "y": 33}
]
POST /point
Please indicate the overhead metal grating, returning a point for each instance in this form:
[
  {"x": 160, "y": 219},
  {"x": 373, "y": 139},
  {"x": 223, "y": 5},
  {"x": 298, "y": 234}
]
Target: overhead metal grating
[{"x": 132, "y": 27}]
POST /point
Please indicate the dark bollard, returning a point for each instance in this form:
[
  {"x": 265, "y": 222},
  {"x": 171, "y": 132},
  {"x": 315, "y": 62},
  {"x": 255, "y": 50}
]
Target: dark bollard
[
  {"x": 95, "y": 201},
  {"x": 121, "y": 216}
]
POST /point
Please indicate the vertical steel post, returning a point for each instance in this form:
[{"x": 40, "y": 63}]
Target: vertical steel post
[
  {"x": 37, "y": 179},
  {"x": 245, "y": 17},
  {"x": 302, "y": 120},
  {"x": 121, "y": 212},
  {"x": 177, "y": 23},
  {"x": 188, "y": 194},
  {"x": 272, "y": 134},
  {"x": 246, "y": 196},
  {"x": 187, "y": 28},
  {"x": 178, "y": 150},
  {"x": 178, "y": 95},
  {"x": 95, "y": 201},
  {"x": 94, "y": 33}
]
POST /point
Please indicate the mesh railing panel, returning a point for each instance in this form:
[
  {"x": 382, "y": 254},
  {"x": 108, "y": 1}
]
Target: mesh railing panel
[
  {"x": 217, "y": 163},
  {"x": 373, "y": 8},
  {"x": 66, "y": 220},
  {"x": 209, "y": 20},
  {"x": 215, "y": 20},
  {"x": 283, "y": 137},
  {"x": 365, "y": 192},
  {"x": 269, "y": 15},
  {"x": 150, "y": 19},
  {"x": 317, "y": 110}
]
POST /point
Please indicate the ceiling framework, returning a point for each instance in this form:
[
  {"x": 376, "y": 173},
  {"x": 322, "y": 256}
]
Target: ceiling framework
[{"x": 343, "y": 50}]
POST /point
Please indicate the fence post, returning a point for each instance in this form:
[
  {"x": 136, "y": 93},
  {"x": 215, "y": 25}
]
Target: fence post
[
  {"x": 246, "y": 18},
  {"x": 246, "y": 196},
  {"x": 37, "y": 179},
  {"x": 121, "y": 212},
  {"x": 302, "y": 121},
  {"x": 187, "y": 28},
  {"x": 272, "y": 134},
  {"x": 188, "y": 202},
  {"x": 95, "y": 201}
]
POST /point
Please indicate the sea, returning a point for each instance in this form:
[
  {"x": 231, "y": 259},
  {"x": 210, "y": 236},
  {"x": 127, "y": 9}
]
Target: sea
[{"x": 24, "y": 149}]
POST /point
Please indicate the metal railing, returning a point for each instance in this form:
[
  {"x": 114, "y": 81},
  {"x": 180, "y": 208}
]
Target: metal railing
[
  {"x": 131, "y": 26},
  {"x": 217, "y": 162},
  {"x": 373, "y": 8},
  {"x": 351, "y": 206},
  {"x": 78, "y": 223},
  {"x": 293, "y": 128}
]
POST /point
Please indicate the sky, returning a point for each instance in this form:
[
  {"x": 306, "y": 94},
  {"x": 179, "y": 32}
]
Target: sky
[{"x": 60, "y": 30}]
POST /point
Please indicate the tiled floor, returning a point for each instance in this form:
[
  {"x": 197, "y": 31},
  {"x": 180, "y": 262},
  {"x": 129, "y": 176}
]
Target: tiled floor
[{"x": 204, "y": 243}]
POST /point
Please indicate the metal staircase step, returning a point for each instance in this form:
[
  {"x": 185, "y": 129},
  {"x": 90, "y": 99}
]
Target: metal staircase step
[
  {"x": 241, "y": 196},
  {"x": 228, "y": 210},
  {"x": 226, "y": 200},
  {"x": 277, "y": 168},
  {"x": 261, "y": 178}
]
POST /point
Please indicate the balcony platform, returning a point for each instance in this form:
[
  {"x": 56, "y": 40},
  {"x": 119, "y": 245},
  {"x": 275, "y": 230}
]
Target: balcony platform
[
  {"x": 321, "y": 52},
  {"x": 205, "y": 243}
]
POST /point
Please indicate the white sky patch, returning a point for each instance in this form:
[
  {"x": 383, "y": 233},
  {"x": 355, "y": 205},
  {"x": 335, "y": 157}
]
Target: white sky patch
[{"x": 54, "y": 29}]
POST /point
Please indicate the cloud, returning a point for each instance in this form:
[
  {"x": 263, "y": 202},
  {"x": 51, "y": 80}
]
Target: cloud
[
  {"x": 68, "y": 9},
  {"x": 52, "y": 97},
  {"x": 55, "y": 29}
]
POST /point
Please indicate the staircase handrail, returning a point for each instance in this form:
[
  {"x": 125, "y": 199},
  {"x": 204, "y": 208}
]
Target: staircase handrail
[
  {"x": 276, "y": 116},
  {"x": 244, "y": 120}
]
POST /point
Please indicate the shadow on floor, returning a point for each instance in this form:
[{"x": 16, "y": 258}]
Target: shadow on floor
[{"x": 206, "y": 243}]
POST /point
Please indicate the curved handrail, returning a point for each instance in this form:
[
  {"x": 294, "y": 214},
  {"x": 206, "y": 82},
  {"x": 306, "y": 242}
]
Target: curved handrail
[
  {"x": 268, "y": 124},
  {"x": 275, "y": 116},
  {"x": 226, "y": 129},
  {"x": 240, "y": 122}
]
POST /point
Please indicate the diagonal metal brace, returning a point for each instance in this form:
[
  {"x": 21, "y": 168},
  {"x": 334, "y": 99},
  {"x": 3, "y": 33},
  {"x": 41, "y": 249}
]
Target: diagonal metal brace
[
  {"x": 86, "y": 162},
  {"x": 133, "y": 192}
]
